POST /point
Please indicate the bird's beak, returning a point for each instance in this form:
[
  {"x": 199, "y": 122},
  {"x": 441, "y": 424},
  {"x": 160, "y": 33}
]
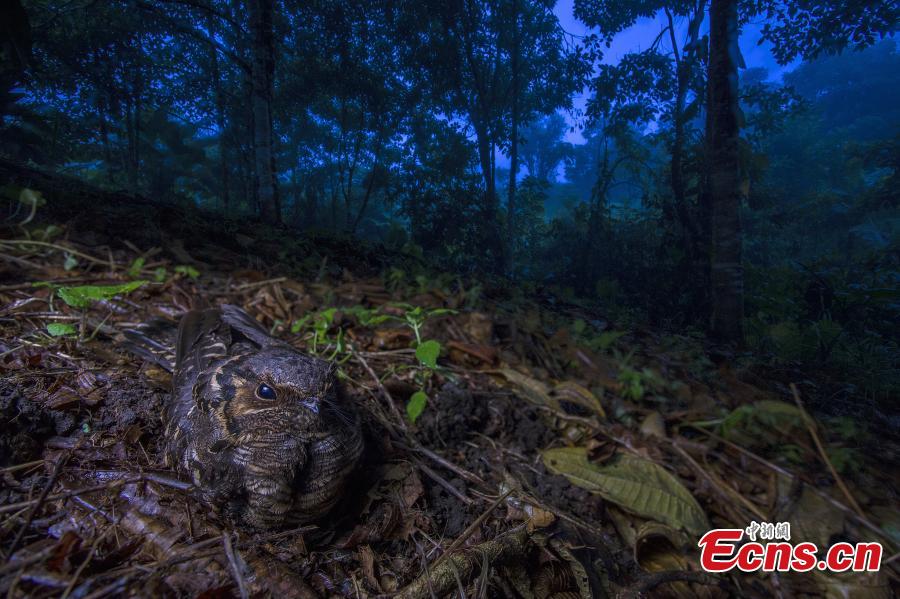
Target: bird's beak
[{"x": 312, "y": 405}]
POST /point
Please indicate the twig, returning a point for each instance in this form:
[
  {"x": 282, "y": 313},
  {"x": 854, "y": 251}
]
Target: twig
[
  {"x": 12, "y": 507},
  {"x": 85, "y": 562},
  {"x": 443, "y": 578},
  {"x": 111, "y": 589},
  {"x": 165, "y": 479},
  {"x": 444, "y": 483},
  {"x": 68, "y": 281},
  {"x": 774, "y": 467},
  {"x": 24, "y": 466},
  {"x": 811, "y": 425},
  {"x": 387, "y": 353},
  {"x": 57, "y": 468},
  {"x": 459, "y": 582},
  {"x": 235, "y": 568},
  {"x": 387, "y": 394},
  {"x": 55, "y": 246},
  {"x": 21, "y": 262},
  {"x": 471, "y": 528},
  {"x": 256, "y": 284},
  {"x": 425, "y": 567},
  {"x": 441, "y": 461},
  {"x": 39, "y": 556},
  {"x": 183, "y": 554},
  {"x": 724, "y": 489}
]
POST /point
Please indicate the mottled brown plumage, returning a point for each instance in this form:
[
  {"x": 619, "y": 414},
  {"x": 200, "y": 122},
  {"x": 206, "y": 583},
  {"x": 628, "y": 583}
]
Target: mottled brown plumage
[{"x": 262, "y": 429}]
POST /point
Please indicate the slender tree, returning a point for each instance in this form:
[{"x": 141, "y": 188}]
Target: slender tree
[
  {"x": 262, "y": 76},
  {"x": 723, "y": 135}
]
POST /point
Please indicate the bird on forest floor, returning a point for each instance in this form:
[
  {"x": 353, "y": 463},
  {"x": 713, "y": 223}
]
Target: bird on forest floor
[{"x": 263, "y": 430}]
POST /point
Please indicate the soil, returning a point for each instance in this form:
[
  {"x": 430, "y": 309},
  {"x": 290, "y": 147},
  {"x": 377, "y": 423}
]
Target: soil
[{"x": 90, "y": 508}]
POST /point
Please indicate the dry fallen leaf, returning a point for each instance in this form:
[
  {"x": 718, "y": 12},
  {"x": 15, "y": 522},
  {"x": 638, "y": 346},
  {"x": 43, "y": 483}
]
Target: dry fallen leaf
[
  {"x": 654, "y": 425},
  {"x": 634, "y": 484}
]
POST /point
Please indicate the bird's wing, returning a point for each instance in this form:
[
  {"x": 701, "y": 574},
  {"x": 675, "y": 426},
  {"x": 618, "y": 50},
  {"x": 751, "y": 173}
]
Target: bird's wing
[
  {"x": 153, "y": 341},
  {"x": 246, "y": 325}
]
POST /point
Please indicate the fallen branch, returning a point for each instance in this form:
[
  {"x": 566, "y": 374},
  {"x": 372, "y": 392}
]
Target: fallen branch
[
  {"x": 443, "y": 577},
  {"x": 235, "y": 566},
  {"x": 811, "y": 425},
  {"x": 57, "y": 247},
  {"x": 45, "y": 492}
]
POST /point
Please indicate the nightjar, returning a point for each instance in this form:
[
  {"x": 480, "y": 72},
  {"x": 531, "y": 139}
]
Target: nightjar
[{"x": 263, "y": 430}]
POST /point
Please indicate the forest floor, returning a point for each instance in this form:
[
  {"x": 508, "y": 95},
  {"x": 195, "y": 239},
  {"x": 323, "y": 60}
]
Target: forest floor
[{"x": 551, "y": 455}]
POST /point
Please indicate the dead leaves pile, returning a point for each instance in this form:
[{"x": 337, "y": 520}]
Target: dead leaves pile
[{"x": 643, "y": 446}]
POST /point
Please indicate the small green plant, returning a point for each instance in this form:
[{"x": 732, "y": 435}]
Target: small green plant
[
  {"x": 416, "y": 316},
  {"x": 427, "y": 353},
  {"x": 395, "y": 278},
  {"x": 367, "y": 317},
  {"x": 600, "y": 342},
  {"x": 81, "y": 297},
  {"x": 632, "y": 383},
  {"x": 845, "y": 459},
  {"x": 187, "y": 271},
  {"x": 638, "y": 383},
  {"x": 134, "y": 271},
  {"x": 70, "y": 262},
  {"x": 604, "y": 341},
  {"x": 319, "y": 326}
]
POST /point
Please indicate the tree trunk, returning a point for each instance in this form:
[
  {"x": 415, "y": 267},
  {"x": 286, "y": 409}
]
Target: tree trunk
[
  {"x": 491, "y": 241},
  {"x": 514, "y": 146},
  {"x": 681, "y": 75},
  {"x": 312, "y": 204},
  {"x": 484, "y": 157},
  {"x": 262, "y": 82},
  {"x": 683, "y": 62},
  {"x": 130, "y": 152},
  {"x": 103, "y": 112},
  {"x": 723, "y": 123},
  {"x": 215, "y": 74},
  {"x": 138, "y": 109}
]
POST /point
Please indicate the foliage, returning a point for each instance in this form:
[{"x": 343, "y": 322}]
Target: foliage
[{"x": 826, "y": 27}]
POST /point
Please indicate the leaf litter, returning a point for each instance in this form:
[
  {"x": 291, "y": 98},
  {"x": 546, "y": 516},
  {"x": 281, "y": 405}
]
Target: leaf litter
[{"x": 518, "y": 446}]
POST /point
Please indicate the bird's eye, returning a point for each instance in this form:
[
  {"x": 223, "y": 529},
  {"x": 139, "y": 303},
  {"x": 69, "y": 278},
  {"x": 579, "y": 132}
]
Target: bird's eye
[{"x": 265, "y": 392}]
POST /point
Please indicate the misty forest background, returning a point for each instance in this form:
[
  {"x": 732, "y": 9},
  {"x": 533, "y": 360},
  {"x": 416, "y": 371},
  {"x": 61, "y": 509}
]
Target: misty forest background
[{"x": 662, "y": 178}]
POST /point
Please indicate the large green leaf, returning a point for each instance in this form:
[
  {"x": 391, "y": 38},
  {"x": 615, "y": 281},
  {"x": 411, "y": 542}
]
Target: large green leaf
[
  {"x": 634, "y": 484},
  {"x": 83, "y": 295}
]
